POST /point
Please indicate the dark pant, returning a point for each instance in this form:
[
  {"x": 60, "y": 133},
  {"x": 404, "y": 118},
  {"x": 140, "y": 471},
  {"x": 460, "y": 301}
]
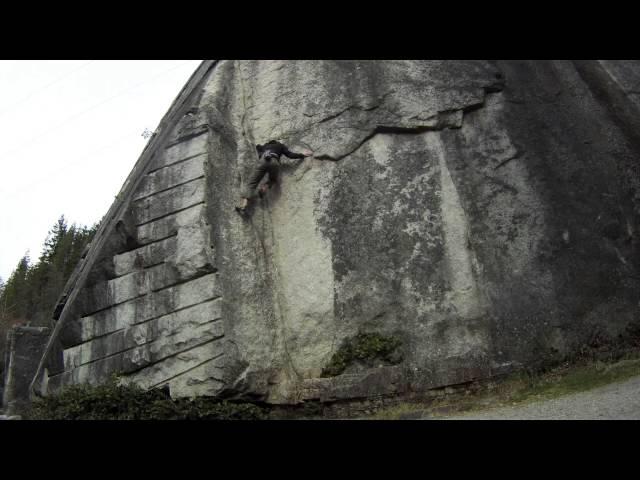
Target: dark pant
[{"x": 271, "y": 167}]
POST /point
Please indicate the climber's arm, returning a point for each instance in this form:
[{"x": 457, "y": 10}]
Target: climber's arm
[{"x": 288, "y": 153}]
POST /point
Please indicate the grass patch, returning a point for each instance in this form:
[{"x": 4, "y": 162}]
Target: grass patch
[
  {"x": 366, "y": 348},
  {"x": 567, "y": 380},
  {"x": 519, "y": 389}
]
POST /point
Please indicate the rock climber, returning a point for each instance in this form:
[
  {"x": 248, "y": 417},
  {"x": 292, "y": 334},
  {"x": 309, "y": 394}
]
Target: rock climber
[{"x": 269, "y": 154}]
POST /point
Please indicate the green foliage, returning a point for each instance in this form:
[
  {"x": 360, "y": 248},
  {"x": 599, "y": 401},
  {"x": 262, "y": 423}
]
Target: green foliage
[
  {"x": 111, "y": 401},
  {"x": 31, "y": 291},
  {"x": 366, "y": 348},
  {"x": 14, "y": 301}
]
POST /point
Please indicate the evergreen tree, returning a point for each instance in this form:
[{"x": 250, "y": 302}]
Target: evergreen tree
[
  {"x": 13, "y": 303},
  {"x": 31, "y": 291},
  {"x": 15, "y": 294}
]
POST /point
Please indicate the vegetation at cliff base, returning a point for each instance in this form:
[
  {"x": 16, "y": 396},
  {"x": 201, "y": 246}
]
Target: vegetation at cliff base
[
  {"x": 111, "y": 401},
  {"x": 519, "y": 388}
]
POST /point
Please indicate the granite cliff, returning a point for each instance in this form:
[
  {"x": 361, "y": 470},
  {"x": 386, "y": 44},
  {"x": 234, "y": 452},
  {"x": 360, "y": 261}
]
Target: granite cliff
[{"x": 482, "y": 215}]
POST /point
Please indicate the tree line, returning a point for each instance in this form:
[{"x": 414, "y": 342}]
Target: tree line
[{"x": 30, "y": 293}]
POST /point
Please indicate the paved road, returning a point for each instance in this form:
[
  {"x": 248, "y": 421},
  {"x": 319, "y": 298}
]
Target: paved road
[{"x": 616, "y": 401}]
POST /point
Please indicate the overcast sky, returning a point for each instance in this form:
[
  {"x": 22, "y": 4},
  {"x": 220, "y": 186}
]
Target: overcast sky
[{"x": 70, "y": 133}]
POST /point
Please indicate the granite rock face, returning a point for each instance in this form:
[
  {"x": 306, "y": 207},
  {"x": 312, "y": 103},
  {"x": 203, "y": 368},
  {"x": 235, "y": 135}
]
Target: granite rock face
[{"x": 484, "y": 213}]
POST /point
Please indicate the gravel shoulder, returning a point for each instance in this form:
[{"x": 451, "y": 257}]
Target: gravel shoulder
[{"x": 616, "y": 401}]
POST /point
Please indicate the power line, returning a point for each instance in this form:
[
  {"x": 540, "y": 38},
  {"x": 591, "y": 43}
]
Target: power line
[
  {"x": 94, "y": 106},
  {"x": 79, "y": 114},
  {"x": 65, "y": 166},
  {"x": 44, "y": 87}
]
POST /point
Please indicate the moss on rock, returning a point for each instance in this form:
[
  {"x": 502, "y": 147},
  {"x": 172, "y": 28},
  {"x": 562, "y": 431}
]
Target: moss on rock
[{"x": 366, "y": 348}]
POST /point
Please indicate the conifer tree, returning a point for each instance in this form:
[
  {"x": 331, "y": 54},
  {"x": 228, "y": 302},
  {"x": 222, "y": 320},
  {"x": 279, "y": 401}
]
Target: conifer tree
[{"x": 30, "y": 293}]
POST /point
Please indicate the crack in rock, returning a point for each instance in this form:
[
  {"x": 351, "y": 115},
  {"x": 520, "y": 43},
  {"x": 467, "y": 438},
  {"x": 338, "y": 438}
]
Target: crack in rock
[
  {"x": 443, "y": 121},
  {"x": 518, "y": 154}
]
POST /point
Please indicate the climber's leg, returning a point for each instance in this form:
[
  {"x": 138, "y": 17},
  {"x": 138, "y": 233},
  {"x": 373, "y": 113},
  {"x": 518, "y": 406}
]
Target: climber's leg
[
  {"x": 250, "y": 191},
  {"x": 274, "y": 174},
  {"x": 257, "y": 176}
]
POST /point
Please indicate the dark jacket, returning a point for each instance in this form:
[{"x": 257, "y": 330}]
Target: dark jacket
[{"x": 278, "y": 149}]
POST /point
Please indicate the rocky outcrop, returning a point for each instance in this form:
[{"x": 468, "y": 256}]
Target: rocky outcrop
[
  {"x": 25, "y": 346},
  {"x": 483, "y": 215}
]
